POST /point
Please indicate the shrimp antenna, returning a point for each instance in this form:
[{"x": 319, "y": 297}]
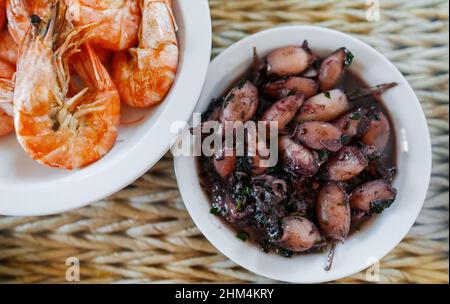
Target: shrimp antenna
[{"x": 51, "y": 25}]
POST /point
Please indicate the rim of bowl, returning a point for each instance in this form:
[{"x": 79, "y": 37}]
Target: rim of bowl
[
  {"x": 184, "y": 176},
  {"x": 146, "y": 152}
]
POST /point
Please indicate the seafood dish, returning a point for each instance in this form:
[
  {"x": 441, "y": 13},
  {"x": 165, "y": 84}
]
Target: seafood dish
[
  {"x": 335, "y": 146},
  {"x": 68, "y": 66}
]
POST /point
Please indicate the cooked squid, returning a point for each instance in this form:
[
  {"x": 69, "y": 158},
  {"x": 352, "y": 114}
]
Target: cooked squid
[
  {"x": 320, "y": 135},
  {"x": 373, "y": 197},
  {"x": 333, "y": 69},
  {"x": 241, "y": 103},
  {"x": 284, "y": 111},
  {"x": 281, "y": 88},
  {"x": 299, "y": 235},
  {"x": 347, "y": 164},
  {"x": 326, "y": 106},
  {"x": 290, "y": 60},
  {"x": 298, "y": 158},
  {"x": 378, "y": 133}
]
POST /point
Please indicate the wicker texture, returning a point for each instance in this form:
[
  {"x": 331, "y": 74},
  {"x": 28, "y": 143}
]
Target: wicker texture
[{"x": 144, "y": 234}]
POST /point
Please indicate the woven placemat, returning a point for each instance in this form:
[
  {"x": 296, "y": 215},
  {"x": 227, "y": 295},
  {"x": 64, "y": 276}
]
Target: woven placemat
[{"x": 144, "y": 234}]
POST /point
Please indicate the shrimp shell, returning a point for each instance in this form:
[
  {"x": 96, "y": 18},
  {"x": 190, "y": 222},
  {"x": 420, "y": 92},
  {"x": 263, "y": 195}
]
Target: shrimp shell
[
  {"x": 117, "y": 21},
  {"x": 55, "y": 129},
  {"x": 6, "y": 107},
  {"x": 8, "y": 48},
  {"x": 2, "y": 13},
  {"x": 144, "y": 75}
]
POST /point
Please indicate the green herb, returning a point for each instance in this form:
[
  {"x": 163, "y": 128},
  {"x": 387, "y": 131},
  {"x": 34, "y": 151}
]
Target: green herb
[
  {"x": 298, "y": 214},
  {"x": 325, "y": 222},
  {"x": 286, "y": 253},
  {"x": 379, "y": 206},
  {"x": 243, "y": 236},
  {"x": 327, "y": 95},
  {"x": 215, "y": 211},
  {"x": 262, "y": 219},
  {"x": 247, "y": 191},
  {"x": 348, "y": 59},
  {"x": 241, "y": 83},
  {"x": 244, "y": 164},
  {"x": 375, "y": 157},
  {"x": 239, "y": 205},
  {"x": 323, "y": 154},
  {"x": 345, "y": 139},
  {"x": 355, "y": 116}
]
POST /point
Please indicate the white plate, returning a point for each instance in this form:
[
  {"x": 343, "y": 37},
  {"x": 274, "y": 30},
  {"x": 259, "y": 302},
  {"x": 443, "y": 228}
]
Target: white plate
[
  {"x": 28, "y": 188},
  {"x": 379, "y": 237}
]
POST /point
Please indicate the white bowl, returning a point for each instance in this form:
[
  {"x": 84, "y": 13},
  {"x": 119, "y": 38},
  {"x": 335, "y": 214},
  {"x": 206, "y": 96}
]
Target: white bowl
[
  {"x": 28, "y": 188},
  {"x": 378, "y": 238}
]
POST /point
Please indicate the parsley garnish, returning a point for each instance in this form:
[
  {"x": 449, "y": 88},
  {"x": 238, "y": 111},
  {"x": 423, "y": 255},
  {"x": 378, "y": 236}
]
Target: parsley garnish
[
  {"x": 215, "y": 211},
  {"x": 243, "y": 236},
  {"x": 355, "y": 116},
  {"x": 327, "y": 95},
  {"x": 323, "y": 154},
  {"x": 348, "y": 59}
]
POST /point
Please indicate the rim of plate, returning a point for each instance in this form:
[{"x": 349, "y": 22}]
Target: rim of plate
[
  {"x": 184, "y": 165},
  {"x": 124, "y": 169}
]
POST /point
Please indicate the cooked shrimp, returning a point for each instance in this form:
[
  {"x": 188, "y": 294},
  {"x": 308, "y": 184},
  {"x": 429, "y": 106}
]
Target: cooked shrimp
[
  {"x": 6, "y": 70},
  {"x": 2, "y": 13},
  {"x": 145, "y": 74},
  {"x": 6, "y": 107},
  {"x": 117, "y": 21},
  {"x": 54, "y": 128},
  {"x": 19, "y": 12},
  {"x": 8, "y": 48}
]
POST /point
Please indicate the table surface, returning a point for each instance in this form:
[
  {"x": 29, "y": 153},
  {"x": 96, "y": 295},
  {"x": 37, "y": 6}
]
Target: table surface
[{"x": 144, "y": 234}]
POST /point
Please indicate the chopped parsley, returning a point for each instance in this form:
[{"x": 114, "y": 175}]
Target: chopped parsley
[
  {"x": 243, "y": 236},
  {"x": 348, "y": 59},
  {"x": 355, "y": 116},
  {"x": 379, "y": 206},
  {"x": 239, "y": 205},
  {"x": 323, "y": 154},
  {"x": 215, "y": 211},
  {"x": 327, "y": 95}
]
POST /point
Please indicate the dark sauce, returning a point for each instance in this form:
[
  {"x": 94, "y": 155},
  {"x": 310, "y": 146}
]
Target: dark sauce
[{"x": 257, "y": 230}]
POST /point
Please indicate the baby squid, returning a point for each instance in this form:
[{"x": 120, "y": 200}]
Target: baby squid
[
  {"x": 290, "y": 60},
  {"x": 241, "y": 103},
  {"x": 54, "y": 128},
  {"x": 299, "y": 235},
  {"x": 319, "y": 135},
  {"x": 279, "y": 89},
  {"x": 326, "y": 106},
  {"x": 333, "y": 212},
  {"x": 347, "y": 164},
  {"x": 298, "y": 158},
  {"x": 378, "y": 133},
  {"x": 284, "y": 111},
  {"x": 354, "y": 124},
  {"x": 117, "y": 22},
  {"x": 334, "y": 215},
  {"x": 144, "y": 75},
  {"x": 373, "y": 197},
  {"x": 225, "y": 162},
  {"x": 311, "y": 72},
  {"x": 333, "y": 69}
]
